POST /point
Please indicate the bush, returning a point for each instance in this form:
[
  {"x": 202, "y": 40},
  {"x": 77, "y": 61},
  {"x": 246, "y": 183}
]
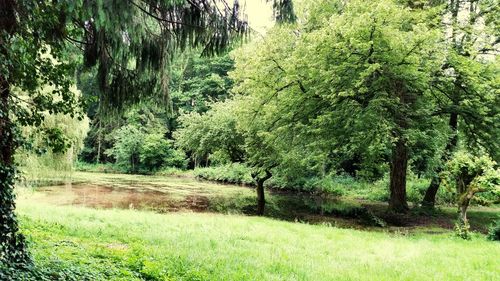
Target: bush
[
  {"x": 138, "y": 151},
  {"x": 157, "y": 152},
  {"x": 231, "y": 173},
  {"x": 171, "y": 171},
  {"x": 494, "y": 231},
  {"x": 462, "y": 229}
]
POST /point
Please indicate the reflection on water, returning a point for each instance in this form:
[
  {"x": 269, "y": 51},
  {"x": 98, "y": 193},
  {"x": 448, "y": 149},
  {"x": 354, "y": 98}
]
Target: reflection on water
[{"x": 98, "y": 196}]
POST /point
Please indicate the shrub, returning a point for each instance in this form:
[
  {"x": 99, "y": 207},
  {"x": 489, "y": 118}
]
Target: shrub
[
  {"x": 469, "y": 175},
  {"x": 157, "y": 152},
  {"x": 494, "y": 231},
  {"x": 462, "y": 229},
  {"x": 231, "y": 173},
  {"x": 99, "y": 167}
]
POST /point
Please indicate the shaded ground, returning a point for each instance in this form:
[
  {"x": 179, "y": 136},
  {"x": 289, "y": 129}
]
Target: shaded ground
[{"x": 171, "y": 194}]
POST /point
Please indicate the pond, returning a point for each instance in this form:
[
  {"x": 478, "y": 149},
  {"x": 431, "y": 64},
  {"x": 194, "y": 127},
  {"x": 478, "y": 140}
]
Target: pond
[
  {"x": 225, "y": 199},
  {"x": 108, "y": 197}
]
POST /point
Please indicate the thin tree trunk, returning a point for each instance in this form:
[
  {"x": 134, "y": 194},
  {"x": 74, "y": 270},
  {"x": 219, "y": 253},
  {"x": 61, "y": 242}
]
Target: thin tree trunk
[
  {"x": 463, "y": 214},
  {"x": 430, "y": 195},
  {"x": 397, "y": 184},
  {"x": 261, "y": 200},
  {"x": 99, "y": 140}
]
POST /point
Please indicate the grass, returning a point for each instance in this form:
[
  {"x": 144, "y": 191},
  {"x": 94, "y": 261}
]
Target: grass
[
  {"x": 221, "y": 243},
  {"x": 89, "y": 244}
]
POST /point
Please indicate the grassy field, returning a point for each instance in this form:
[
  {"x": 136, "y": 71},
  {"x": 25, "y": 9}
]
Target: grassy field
[
  {"x": 79, "y": 243},
  {"x": 89, "y": 244}
]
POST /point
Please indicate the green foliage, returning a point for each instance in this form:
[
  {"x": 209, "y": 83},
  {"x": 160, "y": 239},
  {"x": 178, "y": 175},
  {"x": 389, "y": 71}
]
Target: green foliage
[
  {"x": 136, "y": 150},
  {"x": 156, "y": 151},
  {"x": 351, "y": 82},
  {"x": 127, "y": 146},
  {"x": 212, "y": 136},
  {"x": 100, "y": 167},
  {"x": 467, "y": 175},
  {"x": 51, "y": 147},
  {"x": 199, "y": 81},
  {"x": 494, "y": 231},
  {"x": 195, "y": 83},
  {"x": 131, "y": 43},
  {"x": 231, "y": 173}
]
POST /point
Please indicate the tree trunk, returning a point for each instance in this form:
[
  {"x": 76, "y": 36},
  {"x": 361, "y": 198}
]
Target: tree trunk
[
  {"x": 463, "y": 214},
  {"x": 261, "y": 200},
  {"x": 399, "y": 164},
  {"x": 399, "y": 158},
  {"x": 12, "y": 245},
  {"x": 99, "y": 141},
  {"x": 465, "y": 194},
  {"x": 430, "y": 195}
]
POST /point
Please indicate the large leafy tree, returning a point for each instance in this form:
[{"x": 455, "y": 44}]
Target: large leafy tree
[
  {"x": 213, "y": 134},
  {"x": 352, "y": 75}
]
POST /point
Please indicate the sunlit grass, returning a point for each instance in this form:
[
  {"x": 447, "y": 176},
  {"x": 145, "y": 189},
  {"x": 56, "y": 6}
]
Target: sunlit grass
[{"x": 133, "y": 245}]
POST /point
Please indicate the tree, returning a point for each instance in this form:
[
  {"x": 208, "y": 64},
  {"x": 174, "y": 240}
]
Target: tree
[
  {"x": 25, "y": 65},
  {"x": 470, "y": 175},
  {"x": 466, "y": 85},
  {"x": 357, "y": 77},
  {"x": 197, "y": 82},
  {"x": 214, "y": 133},
  {"x": 141, "y": 145}
]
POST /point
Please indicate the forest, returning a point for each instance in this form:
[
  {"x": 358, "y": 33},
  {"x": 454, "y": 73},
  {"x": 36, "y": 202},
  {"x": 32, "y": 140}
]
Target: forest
[{"x": 249, "y": 140}]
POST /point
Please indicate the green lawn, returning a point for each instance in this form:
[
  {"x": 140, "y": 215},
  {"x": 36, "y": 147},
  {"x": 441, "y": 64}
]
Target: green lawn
[
  {"x": 89, "y": 244},
  {"x": 212, "y": 241}
]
